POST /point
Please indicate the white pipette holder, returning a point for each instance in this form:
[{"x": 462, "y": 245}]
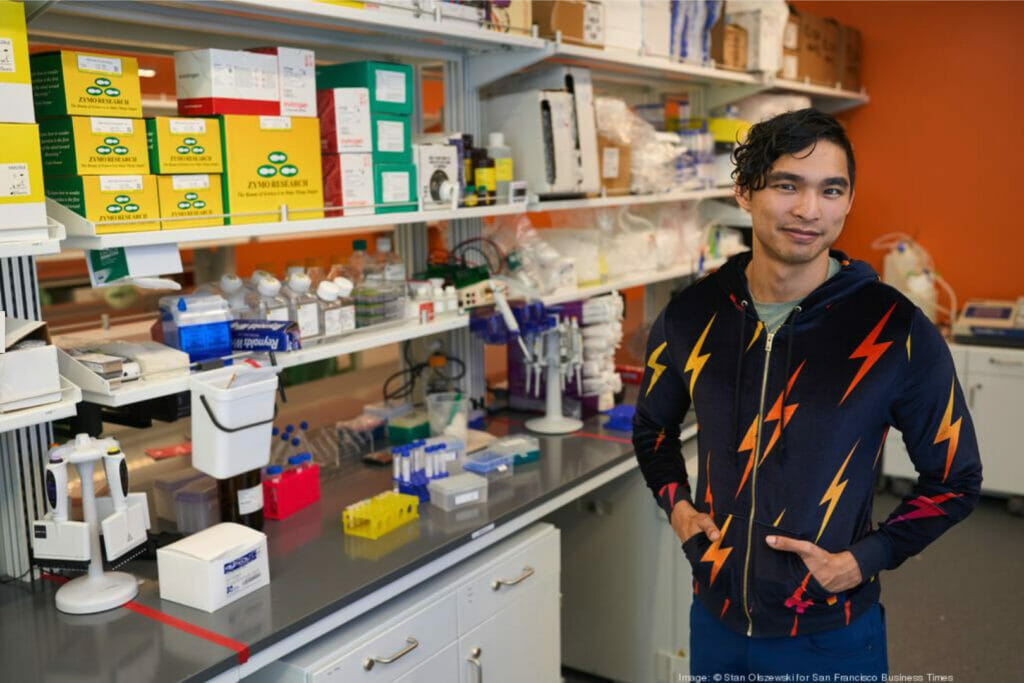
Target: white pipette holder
[{"x": 562, "y": 350}]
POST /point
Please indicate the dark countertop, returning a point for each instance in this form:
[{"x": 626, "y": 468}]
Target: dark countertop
[{"x": 315, "y": 571}]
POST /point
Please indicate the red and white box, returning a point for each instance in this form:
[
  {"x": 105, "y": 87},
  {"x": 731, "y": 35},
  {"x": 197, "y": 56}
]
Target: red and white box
[
  {"x": 348, "y": 182},
  {"x": 213, "y": 81},
  {"x": 296, "y": 79},
  {"x": 344, "y": 120}
]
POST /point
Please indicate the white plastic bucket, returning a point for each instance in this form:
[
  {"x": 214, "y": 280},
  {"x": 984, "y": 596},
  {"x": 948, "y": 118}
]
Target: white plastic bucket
[{"x": 231, "y": 424}]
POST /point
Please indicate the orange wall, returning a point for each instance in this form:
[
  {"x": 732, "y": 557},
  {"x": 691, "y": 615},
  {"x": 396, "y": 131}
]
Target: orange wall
[{"x": 937, "y": 144}]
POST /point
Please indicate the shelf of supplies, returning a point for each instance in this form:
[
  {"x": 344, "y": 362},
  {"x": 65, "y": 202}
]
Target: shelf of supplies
[
  {"x": 32, "y": 242},
  {"x": 369, "y": 338},
  {"x": 630, "y": 200},
  {"x": 648, "y": 66},
  {"x": 828, "y": 99},
  {"x": 138, "y": 390},
  {"x": 70, "y": 395},
  {"x": 81, "y": 234}
]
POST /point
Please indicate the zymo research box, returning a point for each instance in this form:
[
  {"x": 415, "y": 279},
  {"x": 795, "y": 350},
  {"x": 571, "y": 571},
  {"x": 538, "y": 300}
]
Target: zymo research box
[
  {"x": 196, "y": 197},
  {"x": 22, "y": 200},
  {"x": 270, "y": 162},
  {"x": 93, "y": 145},
  {"x": 115, "y": 203},
  {"x": 72, "y": 83},
  {"x": 179, "y": 145},
  {"x": 15, "y": 77}
]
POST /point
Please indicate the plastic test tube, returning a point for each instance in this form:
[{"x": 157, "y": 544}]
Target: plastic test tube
[
  {"x": 429, "y": 462},
  {"x": 396, "y": 462},
  {"x": 406, "y": 466}
]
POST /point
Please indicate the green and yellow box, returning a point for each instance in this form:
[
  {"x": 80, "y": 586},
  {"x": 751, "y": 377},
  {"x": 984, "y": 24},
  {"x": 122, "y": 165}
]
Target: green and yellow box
[
  {"x": 194, "y": 201},
  {"x": 270, "y": 162},
  {"x": 390, "y": 84},
  {"x": 180, "y": 145},
  {"x": 93, "y": 145},
  {"x": 395, "y": 184},
  {"x": 22, "y": 201},
  {"x": 115, "y": 203},
  {"x": 15, "y": 77},
  {"x": 73, "y": 83}
]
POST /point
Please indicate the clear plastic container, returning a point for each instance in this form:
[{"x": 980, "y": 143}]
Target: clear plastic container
[
  {"x": 167, "y": 485},
  {"x": 523, "y": 448},
  {"x": 197, "y": 506},
  {"x": 198, "y": 324},
  {"x": 449, "y": 414},
  {"x": 379, "y": 302},
  {"x": 271, "y": 305},
  {"x": 489, "y": 464},
  {"x": 390, "y": 264},
  {"x": 457, "y": 491},
  {"x": 303, "y": 307}
]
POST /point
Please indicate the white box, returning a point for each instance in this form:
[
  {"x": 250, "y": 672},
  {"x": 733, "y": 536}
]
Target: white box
[
  {"x": 437, "y": 169},
  {"x": 214, "y": 567},
  {"x": 215, "y": 81},
  {"x": 344, "y": 120},
  {"x": 348, "y": 182},
  {"x": 28, "y": 377},
  {"x": 623, "y": 27},
  {"x": 296, "y": 79},
  {"x": 657, "y": 27},
  {"x": 766, "y": 30}
]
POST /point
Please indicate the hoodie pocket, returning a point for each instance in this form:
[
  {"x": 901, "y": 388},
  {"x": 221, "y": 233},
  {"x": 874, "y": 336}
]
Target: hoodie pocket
[
  {"x": 781, "y": 580},
  {"x": 716, "y": 564}
]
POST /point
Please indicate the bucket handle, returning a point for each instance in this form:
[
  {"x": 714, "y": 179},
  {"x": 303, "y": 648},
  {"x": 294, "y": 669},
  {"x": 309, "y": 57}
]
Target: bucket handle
[{"x": 218, "y": 425}]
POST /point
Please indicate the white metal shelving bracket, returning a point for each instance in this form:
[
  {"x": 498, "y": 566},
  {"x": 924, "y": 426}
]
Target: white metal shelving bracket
[{"x": 488, "y": 67}]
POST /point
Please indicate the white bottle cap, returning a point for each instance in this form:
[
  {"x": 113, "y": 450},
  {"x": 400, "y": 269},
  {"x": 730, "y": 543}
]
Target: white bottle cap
[
  {"x": 449, "y": 290},
  {"x": 344, "y": 285},
  {"x": 229, "y": 284},
  {"x": 269, "y": 286},
  {"x": 328, "y": 291},
  {"x": 496, "y": 139},
  {"x": 257, "y": 276},
  {"x": 384, "y": 244},
  {"x": 299, "y": 283}
]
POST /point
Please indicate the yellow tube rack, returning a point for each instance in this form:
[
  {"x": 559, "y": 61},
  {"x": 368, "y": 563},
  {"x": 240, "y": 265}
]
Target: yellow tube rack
[{"x": 373, "y": 517}]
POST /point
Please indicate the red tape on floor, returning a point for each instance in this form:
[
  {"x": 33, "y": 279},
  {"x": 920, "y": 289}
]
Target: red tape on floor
[{"x": 241, "y": 649}]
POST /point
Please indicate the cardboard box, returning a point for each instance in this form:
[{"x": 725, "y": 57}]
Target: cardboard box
[
  {"x": 22, "y": 200},
  {"x": 348, "y": 182},
  {"x": 729, "y": 45},
  {"x": 270, "y": 161},
  {"x": 578, "y": 23},
  {"x": 764, "y": 38},
  {"x": 296, "y": 79},
  {"x": 830, "y": 58},
  {"x": 226, "y": 82},
  {"x": 109, "y": 201},
  {"x": 197, "y": 196},
  {"x": 391, "y": 139},
  {"x": 72, "y": 83},
  {"x": 811, "y": 60},
  {"x": 517, "y": 17},
  {"x": 93, "y": 145},
  {"x": 344, "y": 120},
  {"x": 849, "y": 58},
  {"x": 437, "y": 167},
  {"x": 395, "y": 183},
  {"x": 791, "y": 47},
  {"x": 389, "y": 84},
  {"x": 29, "y": 376},
  {"x": 178, "y": 145},
  {"x": 615, "y": 166},
  {"x": 214, "y": 567},
  {"x": 15, "y": 76}
]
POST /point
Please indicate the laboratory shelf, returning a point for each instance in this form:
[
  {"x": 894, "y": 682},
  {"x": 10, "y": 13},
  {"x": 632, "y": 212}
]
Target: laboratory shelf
[
  {"x": 138, "y": 390},
  {"x": 832, "y": 100},
  {"x": 638, "y": 280},
  {"x": 70, "y": 395},
  {"x": 35, "y": 245},
  {"x": 629, "y": 200}
]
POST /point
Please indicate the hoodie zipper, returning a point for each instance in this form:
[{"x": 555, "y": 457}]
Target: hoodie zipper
[{"x": 753, "y": 482}]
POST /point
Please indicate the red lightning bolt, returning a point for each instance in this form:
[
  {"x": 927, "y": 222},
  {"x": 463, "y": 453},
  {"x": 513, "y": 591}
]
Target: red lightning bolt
[
  {"x": 926, "y": 507},
  {"x": 774, "y": 414},
  {"x": 870, "y": 351},
  {"x": 671, "y": 489},
  {"x": 707, "y": 492},
  {"x": 834, "y": 491},
  {"x": 715, "y": 554},
  {"x": 796, "y": 601},
  {"x": 949, "y": 431},
  {"x": 657, "y": 442}
]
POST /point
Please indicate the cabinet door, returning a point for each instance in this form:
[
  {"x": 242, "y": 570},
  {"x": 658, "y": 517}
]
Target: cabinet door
[
  {"x": 998, "y": 411},
  {"x": 441, "y": 668},
  {"x": 520, "y": 643}
]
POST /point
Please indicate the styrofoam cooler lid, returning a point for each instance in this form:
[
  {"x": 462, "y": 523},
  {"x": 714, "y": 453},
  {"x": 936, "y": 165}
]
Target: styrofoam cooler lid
[{"x": 248, "y": 381}]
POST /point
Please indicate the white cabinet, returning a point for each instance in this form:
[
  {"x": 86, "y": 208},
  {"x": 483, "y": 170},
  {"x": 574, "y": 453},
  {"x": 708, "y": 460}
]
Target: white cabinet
[{"x": 502, "y": 603}]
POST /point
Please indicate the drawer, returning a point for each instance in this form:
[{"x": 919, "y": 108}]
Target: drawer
[
  {"x": 503, "y": 581},
  {"x": 1001, "y": 362},
  {"x": 420, "y": 637},
  {"x": 441, "y": 668}
]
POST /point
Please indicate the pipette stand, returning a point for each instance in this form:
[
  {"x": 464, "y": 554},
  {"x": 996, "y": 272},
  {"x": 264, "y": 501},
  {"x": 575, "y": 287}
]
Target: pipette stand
[{"x": 554, "y": 422}]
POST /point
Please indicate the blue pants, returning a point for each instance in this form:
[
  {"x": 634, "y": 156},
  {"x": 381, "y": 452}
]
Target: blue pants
[{"x": 859, "y": 648}]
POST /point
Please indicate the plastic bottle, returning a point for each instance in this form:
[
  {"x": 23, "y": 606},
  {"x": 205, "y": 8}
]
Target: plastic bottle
[
  {"x": 241, "y": 499},
  {"x": 303, "y": 307},
  {"x": 467, "y": 161},
  {"x": 330, "y": 310},
  {"x": 451, "y": 299},
  {"x": 233, "y": 290},
  {"x": 390, "y": 263},
  {"x": 256, "y": 277},
  {"x": 361, "y": 266},
  {"x": 485, "y": 177},
  {"x": 504, "y": 172},
  {"x": 272, "y": 306}
]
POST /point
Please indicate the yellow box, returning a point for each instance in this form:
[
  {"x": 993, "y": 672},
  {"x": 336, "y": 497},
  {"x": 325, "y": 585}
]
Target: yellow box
[
  {"x": 22, "y": 201},
  {"x": 71, "y": 83},
  {"x": 190, "y": 196},
  {"x": 15, "y": 77},
  {"x": 180, "y": 145},
  {"x": 115, "y": 203},
  {"x": 269, "y": 162},
  {"x": 93, "y": 145}
]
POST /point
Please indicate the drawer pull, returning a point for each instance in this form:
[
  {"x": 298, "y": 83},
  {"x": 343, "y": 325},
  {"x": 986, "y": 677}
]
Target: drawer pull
[
  {"x": 412, "y": 645},
  {"x": 474, "y": 659},
  {"x": 498, "y": 583},
  {"x": 1010, "y": 363}
]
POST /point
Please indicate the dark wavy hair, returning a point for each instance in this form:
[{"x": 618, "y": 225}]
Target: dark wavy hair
[{"x": 785, "y": 134}]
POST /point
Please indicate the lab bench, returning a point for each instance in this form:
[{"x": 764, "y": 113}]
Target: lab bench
[{"x": 320, "y": 578}]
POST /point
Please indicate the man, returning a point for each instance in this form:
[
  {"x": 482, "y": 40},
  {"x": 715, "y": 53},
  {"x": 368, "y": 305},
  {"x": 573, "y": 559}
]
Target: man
[{"x": 797, "y": 360}]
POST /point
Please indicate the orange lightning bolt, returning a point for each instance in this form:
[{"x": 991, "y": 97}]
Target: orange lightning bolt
[
  {"x": 696, "y": 361},
  {"x": 950, "y": 432},
  {"x": 707, "y": 492},
  {"x": 715, "y": 554},
  {"x": 834, "y": 491},
  {"x": 656, "y": 367},
  {"x": 774, "y": 414},
  {"x": 870, "y": 351}
]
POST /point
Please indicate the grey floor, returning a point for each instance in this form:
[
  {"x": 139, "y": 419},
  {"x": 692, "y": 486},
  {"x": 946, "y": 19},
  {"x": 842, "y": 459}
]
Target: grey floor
[{"x": 955, "y": 609}]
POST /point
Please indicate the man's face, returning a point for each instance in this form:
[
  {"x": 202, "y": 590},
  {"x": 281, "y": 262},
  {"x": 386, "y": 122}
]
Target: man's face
[{"x": 800, "y": 212}]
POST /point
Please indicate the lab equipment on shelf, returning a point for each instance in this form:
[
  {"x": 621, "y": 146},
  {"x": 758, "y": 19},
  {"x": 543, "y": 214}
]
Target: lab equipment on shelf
[{"x": 199, "y": 325}]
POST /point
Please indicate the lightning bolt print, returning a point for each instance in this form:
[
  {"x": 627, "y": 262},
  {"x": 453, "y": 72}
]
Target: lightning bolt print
[
  {"x": 708, "y": 498},
  {"x": 757, "y": 333},
  {"x": 656, "y": 367},
  {"x": 949, "y": 431},
  {"x": 695, "y": 363},
  {"x": 776, "y": 414},
  {"x": 870, "y": 350},
  {"x": 834, "y": 492},
  {"x": 926, "y": 507},
  {"x": 716, "y": 554}
]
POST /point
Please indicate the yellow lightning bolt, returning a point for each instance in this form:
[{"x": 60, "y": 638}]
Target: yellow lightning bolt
[
  {"x": 757, "y": 333},
  {"x": 779, "y": 519},
  {"x": 908, "y": 348},
  {"x": 696, "y": 361},
  {"x": 950, "y": 432},
  {"x": 656, "y": 367},
  {"x": 715, "y": 554},
  {"x": 835, "y": 490}
]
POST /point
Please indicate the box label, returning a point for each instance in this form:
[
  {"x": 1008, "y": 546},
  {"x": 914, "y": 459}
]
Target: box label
[
  {"x": 464, "y": 498},
  {"x": 190, "y": 182},
  {"x": 394, "y": 186},
  {"x": 332, "y": 322},
  {"x": 120, "y": 183},
  {"x": 243, "y": 571},
  {"x": 610, "y": 162},
  {"x": 357, "y": 184},
  {"x": 100, "y": 65},
  {"x": 503, "y": 169},
  {"x": 390, "y": 136},
  {"x": 249, "y": 501},
  {"x": 309, "y": 320},
  {"x": 187, "y": 126},
  {"x": 102, "y": 126},
  {"x": 14, "y": 181},
  {"x": 7, "y": 63},
  {"x": 390, "y": 86},
  {"x": 275, "y": 123},
  {"x": 352, "y": 118}
]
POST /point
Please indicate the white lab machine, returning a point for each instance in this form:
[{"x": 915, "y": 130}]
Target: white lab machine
[{"x": 991, "y": 323}]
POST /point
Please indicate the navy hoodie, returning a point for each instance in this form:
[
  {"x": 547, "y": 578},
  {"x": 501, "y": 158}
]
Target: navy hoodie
[{"x": 791, "y": 428}]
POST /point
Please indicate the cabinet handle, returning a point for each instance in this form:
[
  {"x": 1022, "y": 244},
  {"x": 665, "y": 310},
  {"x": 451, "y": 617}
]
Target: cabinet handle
[
  {"x": 1010, "y": 363},
  {"x": 412, "y": 645},
  {"x": 498, "y": 583},
  {"x": 474, "y": 659}
]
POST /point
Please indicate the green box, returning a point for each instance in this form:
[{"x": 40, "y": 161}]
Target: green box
[
  {"x": 395, "y": 183},
  {"x": 391, "y": 139},
  {"x": 93, "y": 145},
  {"x": 390, "y": 84}
]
